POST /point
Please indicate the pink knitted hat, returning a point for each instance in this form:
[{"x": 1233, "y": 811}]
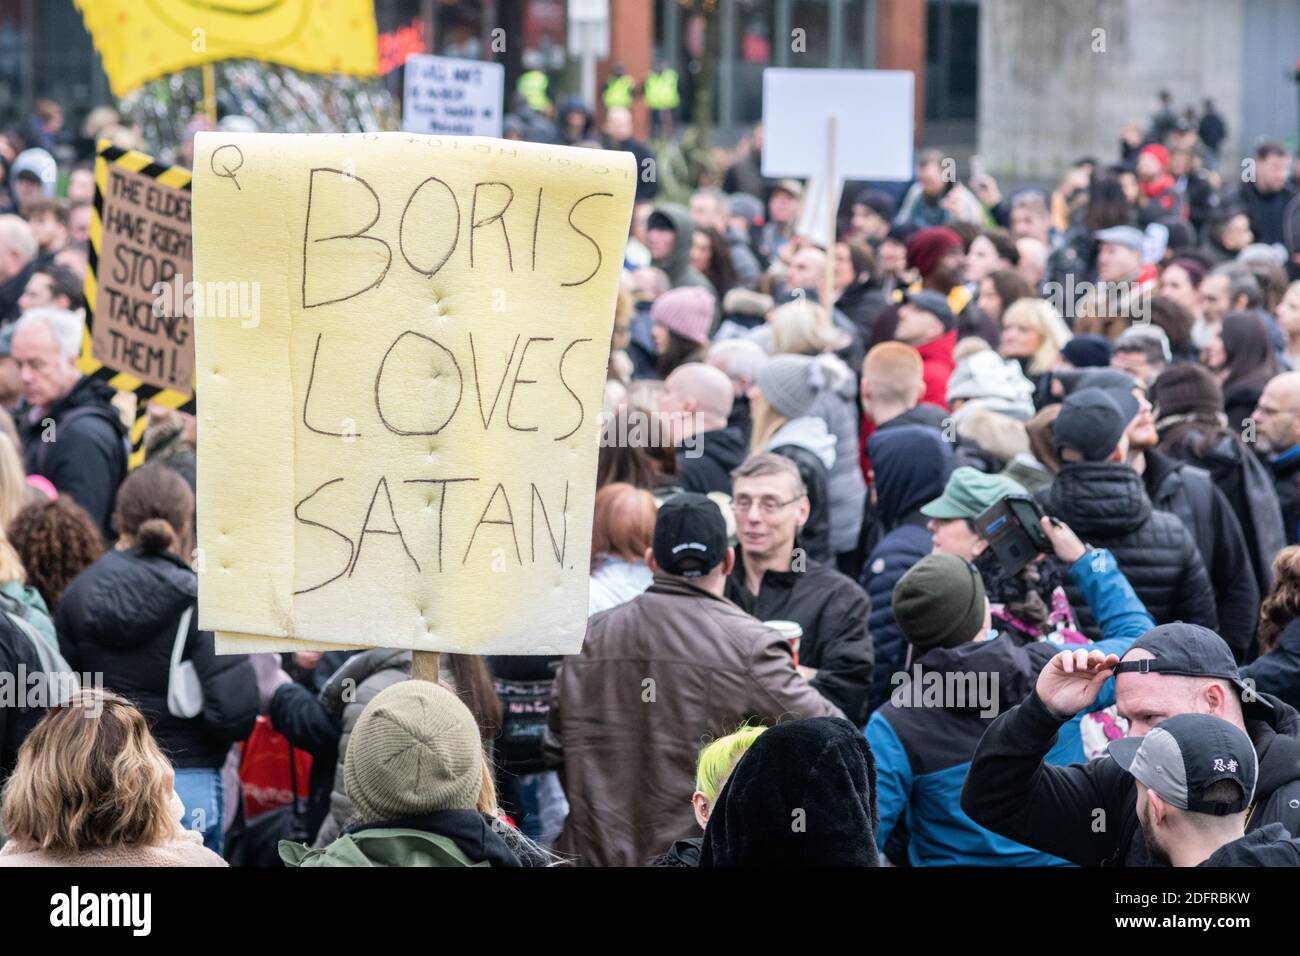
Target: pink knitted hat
[{"x": 687, "y": 310}]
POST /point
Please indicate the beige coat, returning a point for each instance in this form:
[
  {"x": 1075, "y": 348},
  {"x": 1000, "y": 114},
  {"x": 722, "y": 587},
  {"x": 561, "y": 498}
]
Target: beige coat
[{"x": 185, "y": 848}]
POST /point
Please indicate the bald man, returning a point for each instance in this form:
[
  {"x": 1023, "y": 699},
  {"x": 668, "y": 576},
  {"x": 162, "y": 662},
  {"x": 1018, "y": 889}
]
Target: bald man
[
  {"x": 693, "y": 407},
  {"x": 1277, "y": 436}
]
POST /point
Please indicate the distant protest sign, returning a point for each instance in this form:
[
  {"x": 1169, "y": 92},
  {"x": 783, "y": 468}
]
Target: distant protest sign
[
  {"x": 452, "y": 97},
  {"x": 139, "y": 316},
  {"x": 402, "y": 451},
  {"x": 144, "y": 249}
]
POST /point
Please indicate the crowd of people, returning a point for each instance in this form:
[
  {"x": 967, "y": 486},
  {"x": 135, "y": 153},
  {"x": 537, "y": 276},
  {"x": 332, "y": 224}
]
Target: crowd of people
[{"x": 822, "y": 629}]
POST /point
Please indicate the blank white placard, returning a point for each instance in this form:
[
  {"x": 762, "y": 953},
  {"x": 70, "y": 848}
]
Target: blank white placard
[{"x": 874, "y": 125}]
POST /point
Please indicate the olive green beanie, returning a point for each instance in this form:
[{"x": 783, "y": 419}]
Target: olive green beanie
[{"x": 939, "y": 602}]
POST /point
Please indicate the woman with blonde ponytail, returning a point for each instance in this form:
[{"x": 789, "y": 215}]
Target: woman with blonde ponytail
[{"x": 131, "y": 616}]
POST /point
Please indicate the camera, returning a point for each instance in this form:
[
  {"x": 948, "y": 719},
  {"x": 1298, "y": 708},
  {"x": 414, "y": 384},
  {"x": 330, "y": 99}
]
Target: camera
[{"x": 1013, "y": 529}]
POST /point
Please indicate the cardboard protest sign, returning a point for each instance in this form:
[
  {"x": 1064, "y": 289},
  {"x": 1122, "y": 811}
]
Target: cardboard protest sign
[
  {"x": 874, "y": 132},
  {"x": 452, "y": 97},
  {"x": 139, "y": 335},
  {"x": 400, "y": 450}
]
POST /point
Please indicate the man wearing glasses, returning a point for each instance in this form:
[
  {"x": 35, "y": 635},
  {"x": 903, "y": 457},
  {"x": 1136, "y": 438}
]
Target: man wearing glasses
[
  {"x": 774, "y": 581},
  {"x": 1277, "y": 436}
]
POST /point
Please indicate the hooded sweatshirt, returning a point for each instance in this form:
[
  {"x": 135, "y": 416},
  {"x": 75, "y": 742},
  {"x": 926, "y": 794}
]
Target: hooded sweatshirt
[
  {"x": 818, "y": 770},
  {"x": 1010, "y": 790},
  {"x": 912, "y": 463},
  {"x": 719, "y": 451},
  {"x": 441, "y": 838},
  {"x": 810, "y": 445},
  {"x": 677, "y": 264},
  {"x": 1271, "y": 845},
  {"x": 837, "y": 406},
  {"x": 923, "y": 751}
]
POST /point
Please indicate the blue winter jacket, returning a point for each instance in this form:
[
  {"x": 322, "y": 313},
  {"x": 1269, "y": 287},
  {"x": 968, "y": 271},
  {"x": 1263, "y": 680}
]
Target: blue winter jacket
[{"x": 923, "y": 741}]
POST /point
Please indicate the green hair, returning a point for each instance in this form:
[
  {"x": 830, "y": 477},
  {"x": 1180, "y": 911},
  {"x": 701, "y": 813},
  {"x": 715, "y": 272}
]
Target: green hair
[{"x": 719, "y": 758}]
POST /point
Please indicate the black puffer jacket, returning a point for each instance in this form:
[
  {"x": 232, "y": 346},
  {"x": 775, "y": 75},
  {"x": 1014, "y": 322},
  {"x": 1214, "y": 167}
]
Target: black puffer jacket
[
  {"x": 1106, "y": 505},
  {"x": 119, "y": 618}
]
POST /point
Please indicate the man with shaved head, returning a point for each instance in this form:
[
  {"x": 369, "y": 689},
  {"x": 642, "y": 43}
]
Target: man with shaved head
[
  {"x": 1087, "y": 813},
  {"x": 1277, "y": 436},
  {"x": 693, "y": 406}
]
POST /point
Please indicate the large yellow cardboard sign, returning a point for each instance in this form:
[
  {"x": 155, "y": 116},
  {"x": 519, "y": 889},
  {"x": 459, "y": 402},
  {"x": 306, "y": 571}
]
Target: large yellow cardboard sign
[
  {"x": 400, "y": 448},
  {"x": 139, "y": 40}
]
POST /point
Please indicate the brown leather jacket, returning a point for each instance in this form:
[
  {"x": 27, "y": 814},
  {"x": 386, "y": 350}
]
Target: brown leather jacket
[{"x": 657, "y": 679}]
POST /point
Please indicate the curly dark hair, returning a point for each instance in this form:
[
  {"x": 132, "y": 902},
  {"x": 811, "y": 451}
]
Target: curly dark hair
[
  {"x": 1282, "y": 603},
  {"x": 56, "y": 540},
  {"x": 1027, "y": 594}
]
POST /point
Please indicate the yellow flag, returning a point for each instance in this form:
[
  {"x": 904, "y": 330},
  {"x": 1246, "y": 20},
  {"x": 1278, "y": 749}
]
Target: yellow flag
[{"x": 140, "y": 40}]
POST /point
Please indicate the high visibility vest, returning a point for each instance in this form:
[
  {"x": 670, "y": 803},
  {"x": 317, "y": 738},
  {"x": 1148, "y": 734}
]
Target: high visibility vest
[
  {"x": 532, "y": 85},
  {"x": 618, "y": 92},
  {"x": 661, "y": 90}
]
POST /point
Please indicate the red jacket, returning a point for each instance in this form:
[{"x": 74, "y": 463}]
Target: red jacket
[{"x": 938, "y": 364}]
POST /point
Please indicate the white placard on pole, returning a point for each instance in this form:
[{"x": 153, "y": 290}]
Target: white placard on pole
[
  {"x": 452, "y": 97},
  {"x": 874, "y": 126}
]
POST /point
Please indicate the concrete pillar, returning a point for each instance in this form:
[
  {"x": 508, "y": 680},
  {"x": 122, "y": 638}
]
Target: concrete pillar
[
  {"x": 631, "y": 42},
  {"x": 1060, "y": 78},
  {"x": 900, "y": 45}
]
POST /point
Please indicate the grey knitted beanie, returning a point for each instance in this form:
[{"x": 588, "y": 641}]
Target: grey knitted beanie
[{"x": 791, "y": 384}]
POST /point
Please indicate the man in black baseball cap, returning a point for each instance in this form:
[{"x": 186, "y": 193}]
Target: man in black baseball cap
[
  {"x": 1088, "y": 813},
  {"x": 1195, "y": 779},
  {"x": 690, "y": 537},
  {"x": 1092, "y": 423},
  {"x": 1098, "y": 494},
  {"x": 673, "y": 666}
]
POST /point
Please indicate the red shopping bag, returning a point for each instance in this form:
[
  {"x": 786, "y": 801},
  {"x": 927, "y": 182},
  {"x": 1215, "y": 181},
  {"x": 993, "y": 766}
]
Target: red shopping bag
[{"x": 270, "y": 770}]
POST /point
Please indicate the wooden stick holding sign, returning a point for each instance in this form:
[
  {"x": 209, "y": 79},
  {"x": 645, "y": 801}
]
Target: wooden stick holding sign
[
  {"x": 832, "y": 208},
  {"x": 425, "y": 665}
]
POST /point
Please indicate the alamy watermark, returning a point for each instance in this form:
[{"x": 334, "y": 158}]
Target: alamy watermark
[
  {"x": 633, "y": 428},
  {"x": 40, "y": 689},
  {"x": 209, "y": 300},
  {"x": 951, "y": 690},
  {"x": 1130, "y": 300}
]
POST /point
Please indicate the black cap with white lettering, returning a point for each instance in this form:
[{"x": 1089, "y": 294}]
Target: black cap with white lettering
[
  {"x": 690, "y": 536},
  {"x": 1186, "y": 755}
]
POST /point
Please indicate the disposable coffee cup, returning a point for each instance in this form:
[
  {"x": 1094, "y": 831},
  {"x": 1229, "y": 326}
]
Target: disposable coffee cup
[{"x": 792, "y": 632}]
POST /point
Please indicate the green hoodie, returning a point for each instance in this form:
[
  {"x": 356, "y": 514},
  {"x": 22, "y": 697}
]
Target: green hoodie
[
  {"x": 387, "y": 846},
  {"x": 677, "y": 264}
]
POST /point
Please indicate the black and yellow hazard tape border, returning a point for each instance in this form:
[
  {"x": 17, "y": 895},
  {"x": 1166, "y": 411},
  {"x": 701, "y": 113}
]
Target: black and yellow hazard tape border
[{"x": 178, "y": 178}]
